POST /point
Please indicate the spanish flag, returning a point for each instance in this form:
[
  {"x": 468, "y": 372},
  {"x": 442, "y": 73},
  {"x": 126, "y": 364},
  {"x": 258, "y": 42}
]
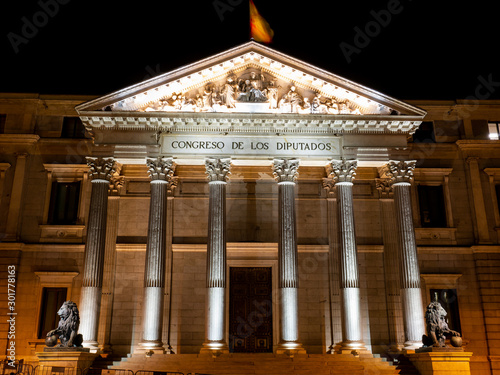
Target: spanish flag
[{"x": 260, "y": 30}]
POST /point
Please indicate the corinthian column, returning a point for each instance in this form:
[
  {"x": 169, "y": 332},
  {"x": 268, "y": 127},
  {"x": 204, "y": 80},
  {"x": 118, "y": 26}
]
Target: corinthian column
[
  {"x": 285, "y": 173},
  {"x": 161, "y": 171},
  {"x": 100, "y": 173},
  {"x": 400, "y": 174},
  {"x": 217, "y": 171},
  {"x": 391, "y": 263},
  {"x": 342, "y": 172}
]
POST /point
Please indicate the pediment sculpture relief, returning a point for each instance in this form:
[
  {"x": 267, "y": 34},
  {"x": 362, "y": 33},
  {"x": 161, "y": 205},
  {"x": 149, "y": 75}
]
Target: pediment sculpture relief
[{"x": 254, "y": 91}]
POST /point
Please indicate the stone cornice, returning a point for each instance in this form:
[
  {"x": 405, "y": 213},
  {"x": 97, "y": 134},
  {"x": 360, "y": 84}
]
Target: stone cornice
[
  {"x": 17, "y": 143},
  {"x": 255, "y": 123}
]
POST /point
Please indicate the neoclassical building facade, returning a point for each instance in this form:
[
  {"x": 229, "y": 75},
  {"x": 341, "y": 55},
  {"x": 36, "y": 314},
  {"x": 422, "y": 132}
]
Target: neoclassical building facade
[{"x": 250, "y": 203}]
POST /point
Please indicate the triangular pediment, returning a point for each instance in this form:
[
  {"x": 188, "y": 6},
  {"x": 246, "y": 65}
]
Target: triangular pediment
[{"x": 250, "y": 78}]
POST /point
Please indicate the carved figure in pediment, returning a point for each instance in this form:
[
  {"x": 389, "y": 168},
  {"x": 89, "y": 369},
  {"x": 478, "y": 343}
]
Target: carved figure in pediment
[
  {"x": 317, "y": 106},
  {"x": 176, "y": 102},
  {"x": 332, "y": 107},
  {"x": 344, "y": 108},
  {"x": 198, "y": 101},
  {"x": 272, "y": 94},
  {"x": 228, "y": 97},
  {"x": 207, "y": 98},
  {"x": 187, "y": 104},
  {"x": 306, "y": 106},
  {"x": 252, "y": 89},
  {"x": 291, "y": 101}
]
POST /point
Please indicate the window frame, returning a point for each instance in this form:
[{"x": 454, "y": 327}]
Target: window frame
[
  {"x": 43, "y": 306},
  {"x": 65, "y": 173},
  {"x": 441, "y": 281},
  {"x": 494, "y": 179},
  {"x": 430, "y": 235},
  {"x": 51, "y": 280}
]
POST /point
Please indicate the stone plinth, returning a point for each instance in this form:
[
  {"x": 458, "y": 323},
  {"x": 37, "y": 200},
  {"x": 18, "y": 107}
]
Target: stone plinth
[
  {"x": 441, "y": 361},
  {"x": 65, "y": 358}
]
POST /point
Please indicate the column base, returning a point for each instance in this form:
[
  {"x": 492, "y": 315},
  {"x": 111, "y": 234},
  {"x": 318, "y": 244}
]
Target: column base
[
  {"x": 412, "y": 345},
  {"x": 148, "y": 348},
  {"x": 93, "y": 346},
  {"x": 357, "y": 346},
  {"x": 214, "y": 348},
  {"x": 290, "y": 348}
]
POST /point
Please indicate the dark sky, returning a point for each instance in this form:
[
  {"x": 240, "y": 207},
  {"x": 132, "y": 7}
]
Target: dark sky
[{"x": 426, "y": 50}]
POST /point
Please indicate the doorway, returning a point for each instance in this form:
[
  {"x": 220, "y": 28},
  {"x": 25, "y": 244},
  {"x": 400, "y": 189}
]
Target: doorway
[{"x": 250, "y": 310}]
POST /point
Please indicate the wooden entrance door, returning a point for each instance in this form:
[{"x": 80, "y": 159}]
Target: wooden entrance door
[{"x": 250, "y": 310}]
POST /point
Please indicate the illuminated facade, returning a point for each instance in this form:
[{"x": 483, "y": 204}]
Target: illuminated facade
[{"x": 251, "y": 203}]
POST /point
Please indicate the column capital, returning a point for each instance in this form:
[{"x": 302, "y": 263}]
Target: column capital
[
  {"x": 400, "y": 171},
  {"x": 342, "y": 170},
  {"x": 101, "y": 168},
  {"x": 285, "y": 170},
  {"x": 472, "y": 159},
  {"x": 116, "y": 181},
  {"x": 384, "y": 187},
  {"x": 329, "y": 186},
  {"x": 217, "y": 169},
  {"x": 160, "y": 169}
]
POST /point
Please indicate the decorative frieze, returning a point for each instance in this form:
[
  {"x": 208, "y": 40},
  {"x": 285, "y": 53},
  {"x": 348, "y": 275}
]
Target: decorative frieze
[
  {"x": 285, "y": 170},
  {"x": 217, "y": 169},
  {"x": 236, "y": 123}
]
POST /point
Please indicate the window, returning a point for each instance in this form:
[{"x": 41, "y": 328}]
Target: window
[
  {"x": 3, "y": 118},
  {"x": 52, "y": 299},
  {"x": 432, "y": 207},
  {"x": 449, "y": 301},
  {"x": 64, "y": 199},
  {"x": 73, "y": 128},
  {"x": 494, "y": 130},
  {"x": 425, "y": 133}
]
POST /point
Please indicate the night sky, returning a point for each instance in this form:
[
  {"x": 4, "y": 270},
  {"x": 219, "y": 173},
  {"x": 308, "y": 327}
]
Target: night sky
[{"x": 426, "y": 50}]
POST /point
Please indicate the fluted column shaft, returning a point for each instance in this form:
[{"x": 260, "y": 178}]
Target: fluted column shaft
[
  {"x": 391, "y": 272},
  {"x": 343, "y": 172},
  {"x": 285, "y": 172},
  {"x": 410, "y": 273},
  {"x": 288, "y": 263},
  {"x": 217, "y": 171},
  {"x": 401, "y": 174},
  {"x": 90, "y": 302},
  {"x": 154, "y": 274},
  {"x": 160, "y": 171},
  {"x": 349, "y": 276}
]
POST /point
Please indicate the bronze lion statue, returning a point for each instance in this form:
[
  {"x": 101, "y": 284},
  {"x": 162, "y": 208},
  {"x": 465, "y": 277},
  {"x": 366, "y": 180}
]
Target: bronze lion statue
[
  {"x": 437, "y": 328},
  {"x": 67, "y": 329}
]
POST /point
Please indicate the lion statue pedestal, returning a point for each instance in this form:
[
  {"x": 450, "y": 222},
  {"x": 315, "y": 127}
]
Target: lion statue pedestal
[
  {"x": 69, "y": 352},
  {"x": 435, "y": 357}
]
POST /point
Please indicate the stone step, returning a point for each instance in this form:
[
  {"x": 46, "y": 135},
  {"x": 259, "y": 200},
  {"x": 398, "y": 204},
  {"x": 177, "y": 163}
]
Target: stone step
[{"x": 260, "y": 364}]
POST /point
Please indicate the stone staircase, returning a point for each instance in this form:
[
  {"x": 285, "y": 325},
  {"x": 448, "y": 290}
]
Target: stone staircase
[{"x": 261, "y": 364}]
